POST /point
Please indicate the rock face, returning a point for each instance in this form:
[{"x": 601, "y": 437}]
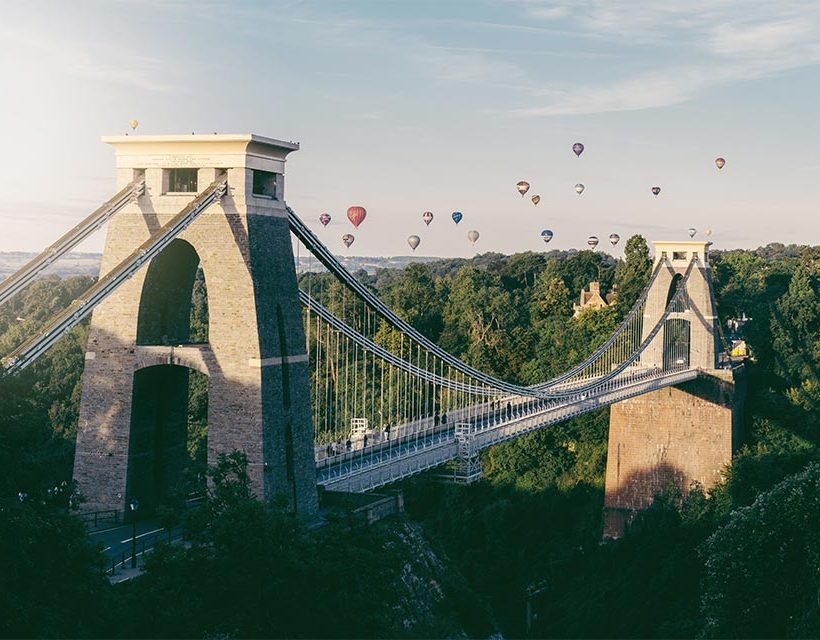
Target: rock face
[{"x": 428, "y": 588}]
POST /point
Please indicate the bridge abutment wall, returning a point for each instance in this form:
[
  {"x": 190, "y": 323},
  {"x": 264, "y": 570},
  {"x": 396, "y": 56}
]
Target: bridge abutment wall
[{"x": 671, "y": 438}]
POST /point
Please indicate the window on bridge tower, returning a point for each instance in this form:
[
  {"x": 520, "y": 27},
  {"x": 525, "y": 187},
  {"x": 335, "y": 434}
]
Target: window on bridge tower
[
  {"x": 678, "y": 255},
  {"x": 264, "y": 184},
  {"x": 181, "y": 181}
]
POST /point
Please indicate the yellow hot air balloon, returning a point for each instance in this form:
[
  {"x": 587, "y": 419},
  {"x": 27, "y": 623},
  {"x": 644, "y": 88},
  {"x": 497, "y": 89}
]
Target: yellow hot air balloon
[{"x": 133, "y": 124}]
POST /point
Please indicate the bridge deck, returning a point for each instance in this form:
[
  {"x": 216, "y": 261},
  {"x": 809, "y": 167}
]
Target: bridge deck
[{"x": 399, "y": 458}]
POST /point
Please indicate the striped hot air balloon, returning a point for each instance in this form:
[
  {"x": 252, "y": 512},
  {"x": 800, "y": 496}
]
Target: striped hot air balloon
[{"x": 356, "y": 215}]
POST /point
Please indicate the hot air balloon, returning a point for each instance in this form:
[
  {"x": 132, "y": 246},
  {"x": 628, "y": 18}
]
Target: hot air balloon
[
  {"x": 356, "y": 215},
  {"x": 546, "y": 235},
  {"x": 536, "y": 199},
  {"x": 692, "y": 232},
  {"x": 656, "y": 191},
  {"x": 592, "y": 241},
  {"x": 472, "y": 236},
  {"x": 614, "y": 239},
  {"x": 579, "y": 188},
  {"x": 413, "y": 241},
  {"x": 522, "y": 187},
  {"x": 427, "y": 216},
  {"x": 348, "y": 239},
  {"x": 578, "y": 148},
  {"x": 325, "y": 219},
  {"x": 457, "y": 216},
  {"x": 133, "y": 124},
  {"x": 719, "y": 162},
  {"x": 708, "y": 231}
]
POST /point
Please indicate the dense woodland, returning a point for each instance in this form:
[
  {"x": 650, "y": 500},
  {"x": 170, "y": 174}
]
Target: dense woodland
[{"x": 740, "y": 560}]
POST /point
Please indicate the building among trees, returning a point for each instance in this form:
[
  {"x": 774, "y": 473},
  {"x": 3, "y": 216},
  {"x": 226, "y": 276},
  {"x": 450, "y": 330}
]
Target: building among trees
[{"x": 593, "y": 299}]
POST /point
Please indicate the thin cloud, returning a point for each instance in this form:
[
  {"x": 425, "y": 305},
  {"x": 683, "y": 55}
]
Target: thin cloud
[
  {"x": 728, "y": 42},
  {"x": 92, "y": 61}
]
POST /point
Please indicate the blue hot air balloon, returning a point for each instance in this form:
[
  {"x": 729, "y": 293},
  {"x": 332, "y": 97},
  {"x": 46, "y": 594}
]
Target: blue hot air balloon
[
  {"x": 457, "y": 216},
  {"x": 546, "y": 234}
]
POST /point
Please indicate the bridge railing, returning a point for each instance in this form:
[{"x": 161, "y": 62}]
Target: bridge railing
[{"x": 104, "y": 518}]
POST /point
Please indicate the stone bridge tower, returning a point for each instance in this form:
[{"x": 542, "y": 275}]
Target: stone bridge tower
[
  {"x": 676, "y": 436},
  {"x": 134, "y": 405},
  {"x": 698, "y": 325}
]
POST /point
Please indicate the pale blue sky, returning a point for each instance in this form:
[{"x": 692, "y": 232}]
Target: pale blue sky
[{"x": 404, "y": 106}]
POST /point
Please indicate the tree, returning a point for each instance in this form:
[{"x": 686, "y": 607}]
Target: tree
[
  {"x": 550, "y": 298},
  {"x": 762, "y": 578},
  {"x": 51, "y": 583},
  {"x": 632, "y": 275},
  {"x": 416, "y": 297},
  {"x": 796, "y": 333}
]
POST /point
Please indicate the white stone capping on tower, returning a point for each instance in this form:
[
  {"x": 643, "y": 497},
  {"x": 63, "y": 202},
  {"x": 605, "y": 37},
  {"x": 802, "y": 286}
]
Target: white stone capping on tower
[{"x": 680, "y": 252}]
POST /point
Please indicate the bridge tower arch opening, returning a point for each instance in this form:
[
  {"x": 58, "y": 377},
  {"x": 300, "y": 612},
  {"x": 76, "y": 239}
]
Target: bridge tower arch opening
[
  {"x": 174, "y": 301},
  {"x": 143, "y": 342},
  {"x": 167, "y": 435}
]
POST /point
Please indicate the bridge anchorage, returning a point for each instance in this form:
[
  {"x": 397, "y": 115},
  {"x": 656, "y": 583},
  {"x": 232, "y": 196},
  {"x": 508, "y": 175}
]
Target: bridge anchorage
[{"x": 318, "y": 380}]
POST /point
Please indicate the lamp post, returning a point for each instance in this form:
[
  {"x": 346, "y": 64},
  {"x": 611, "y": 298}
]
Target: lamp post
[{"x": 134, "y": 505}]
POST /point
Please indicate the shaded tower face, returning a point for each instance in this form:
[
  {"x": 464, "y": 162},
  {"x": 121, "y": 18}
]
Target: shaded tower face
[
  {"x": 697, "y": 325},
  {"x": 144, "y": 339}
]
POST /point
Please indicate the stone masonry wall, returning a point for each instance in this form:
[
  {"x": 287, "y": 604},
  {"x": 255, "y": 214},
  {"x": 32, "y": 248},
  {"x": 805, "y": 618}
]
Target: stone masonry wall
[{"x": 677, "y": 435}]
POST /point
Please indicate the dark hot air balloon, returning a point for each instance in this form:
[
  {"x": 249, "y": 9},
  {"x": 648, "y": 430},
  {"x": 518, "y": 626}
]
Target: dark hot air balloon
[
  {"x": 427, "y": 216},
  {"x": 719, "y": 162},
  {"x": 656, "y": 191},
  {"x": 578, "y": 149},
  {"x": 457, "y": 216},
  {"x": 522, "y": 187},
  {"x": 536, "y": 199},
  {"x": 692, "y": 231},
  {"x": 324, "y": 219},
  {"x": 592, "y": 241},
  {"x": 348, "y": 239},
  {"x": 546, "y": 235},
  {"x": 356, "y": 215},
  {"x": 614, "y": 238}
]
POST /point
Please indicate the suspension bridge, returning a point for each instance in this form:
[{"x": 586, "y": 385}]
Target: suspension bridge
[{"x": 319, "y": 385}]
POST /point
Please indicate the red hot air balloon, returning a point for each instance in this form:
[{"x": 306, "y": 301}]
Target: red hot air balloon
[
  {"x": 356, "y": 215},
  {"x": 324, "y": 219}
]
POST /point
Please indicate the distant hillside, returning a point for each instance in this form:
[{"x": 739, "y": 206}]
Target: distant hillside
[
  {"x": 73, "y": 264},
  {"x": 88, "y": 264},
  {"x": 368, "y": 264}
]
